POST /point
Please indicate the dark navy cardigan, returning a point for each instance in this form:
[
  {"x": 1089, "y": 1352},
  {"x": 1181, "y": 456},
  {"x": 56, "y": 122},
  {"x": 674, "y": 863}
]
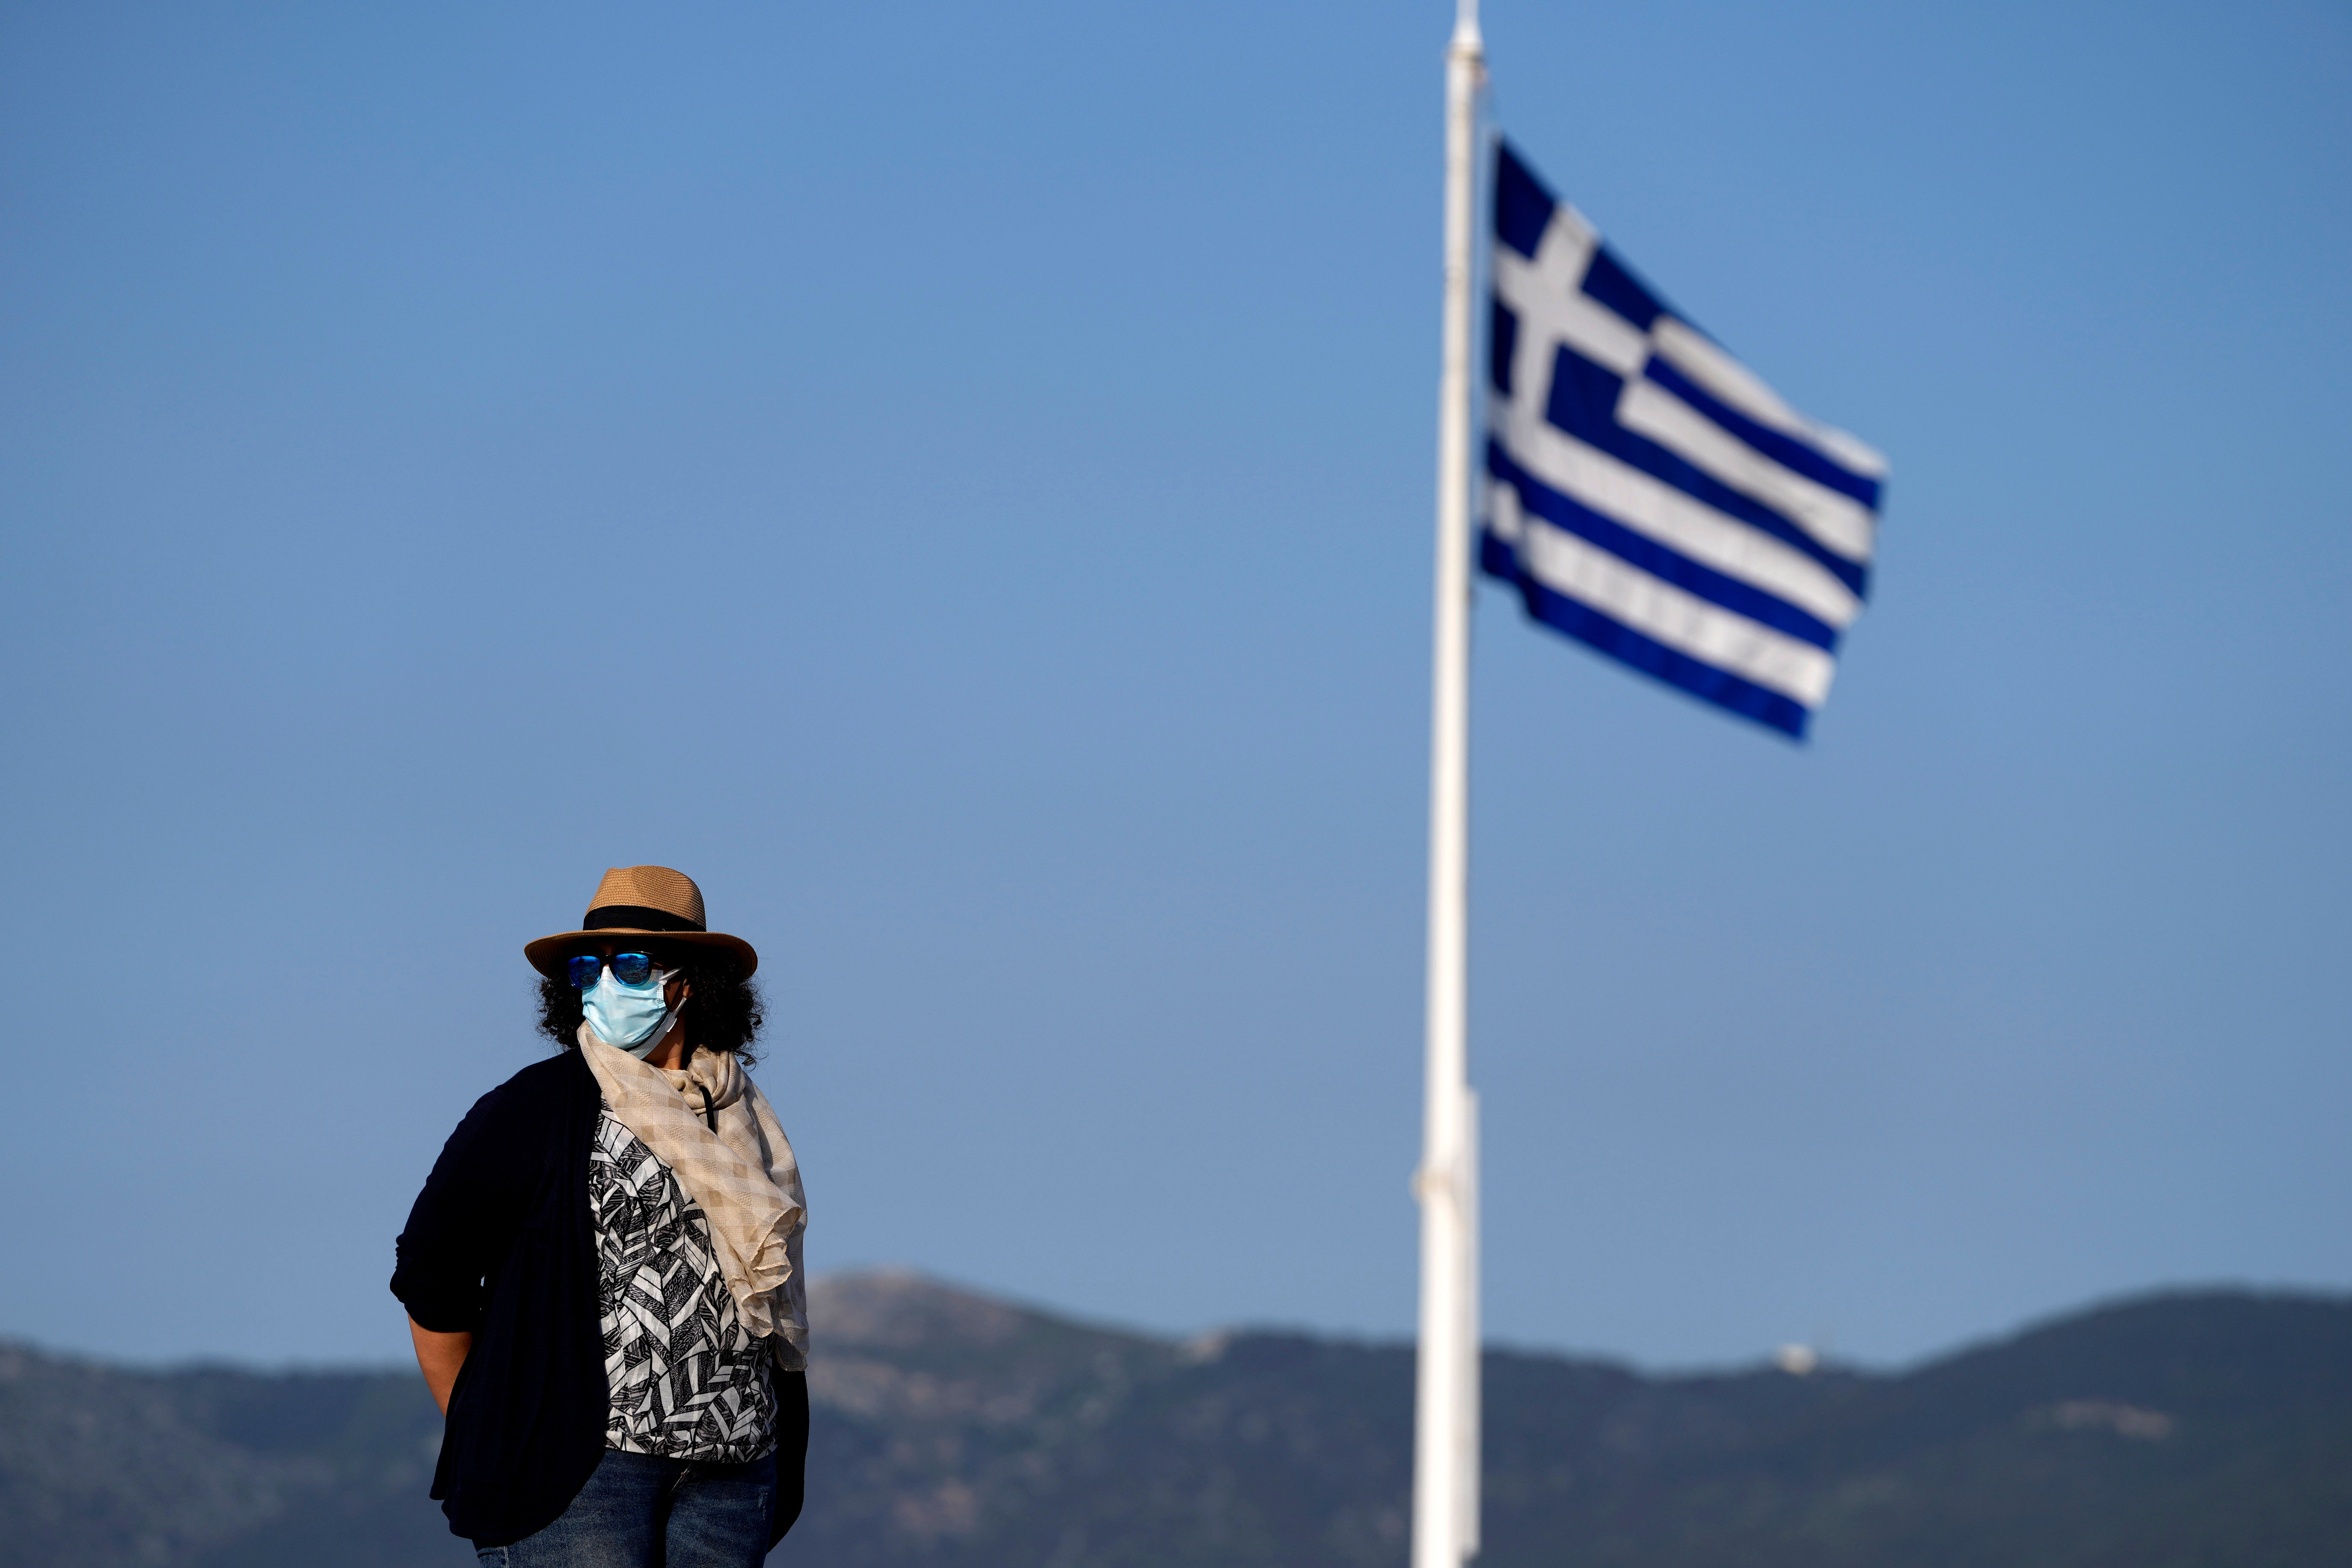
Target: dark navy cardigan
[{"x": 500, "y": 1244}]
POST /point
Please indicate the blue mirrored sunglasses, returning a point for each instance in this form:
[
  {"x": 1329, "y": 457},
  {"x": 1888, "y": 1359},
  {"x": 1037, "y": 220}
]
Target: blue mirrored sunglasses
[{"x": 628, "y": 968}]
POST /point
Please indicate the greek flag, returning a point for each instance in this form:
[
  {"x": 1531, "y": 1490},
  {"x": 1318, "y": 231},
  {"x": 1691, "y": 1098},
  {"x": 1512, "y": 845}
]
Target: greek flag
[{"x": 1646, "y": 492}]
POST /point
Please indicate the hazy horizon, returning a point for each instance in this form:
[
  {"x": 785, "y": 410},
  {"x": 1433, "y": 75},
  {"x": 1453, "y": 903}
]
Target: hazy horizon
[{"x": 1832, "y": 1357}]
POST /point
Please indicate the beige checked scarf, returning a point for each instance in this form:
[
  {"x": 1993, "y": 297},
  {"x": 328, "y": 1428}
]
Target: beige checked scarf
[{"x": 744, "y": 1177}]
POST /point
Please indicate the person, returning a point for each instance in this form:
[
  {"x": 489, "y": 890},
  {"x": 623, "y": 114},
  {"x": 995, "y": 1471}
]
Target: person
[{"x": 603, "y": 1274}]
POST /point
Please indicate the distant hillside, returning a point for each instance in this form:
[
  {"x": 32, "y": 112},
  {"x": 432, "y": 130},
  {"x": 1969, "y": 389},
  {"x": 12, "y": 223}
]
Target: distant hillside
[{"x": 953, "y": 1431}]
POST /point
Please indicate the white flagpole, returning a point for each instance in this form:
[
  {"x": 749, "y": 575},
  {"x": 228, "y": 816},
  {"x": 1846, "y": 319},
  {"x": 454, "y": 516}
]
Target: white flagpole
[{"x": 1445, "y": 1421}]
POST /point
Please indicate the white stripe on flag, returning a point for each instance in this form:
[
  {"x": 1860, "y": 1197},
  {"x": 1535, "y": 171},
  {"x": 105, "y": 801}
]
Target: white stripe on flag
[
  {"x": 1662, "y": 612},
  {"x": 1689, "y": 350},
  {"x": 1674, "y": 519},
  {"x": 1840, "y": 522}
]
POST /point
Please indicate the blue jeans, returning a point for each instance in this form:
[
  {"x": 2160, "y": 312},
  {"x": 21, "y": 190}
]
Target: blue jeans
[{"x": 639, "y": 1512}]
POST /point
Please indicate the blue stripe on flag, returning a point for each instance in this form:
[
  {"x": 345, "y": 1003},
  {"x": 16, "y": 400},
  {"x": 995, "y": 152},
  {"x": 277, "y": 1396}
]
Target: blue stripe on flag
[
  {"x": 1590, "y": 627},
  {"x": 1783, "y": 449},
  {"x": 1523, "y": 208},
  {"x": 1670, "y": 565},
  {"x": 1584, "y": 404},
  {"x": 1502, "y": 344},
  {"x": 1612, "y": 283}
]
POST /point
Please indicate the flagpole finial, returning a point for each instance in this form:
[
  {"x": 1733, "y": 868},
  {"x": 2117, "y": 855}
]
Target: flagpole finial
[{"x": 1466, "y": 26}]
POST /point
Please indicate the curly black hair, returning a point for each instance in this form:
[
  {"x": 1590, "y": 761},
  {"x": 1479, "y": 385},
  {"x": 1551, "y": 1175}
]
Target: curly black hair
[{"x": 723, "y": 1014}]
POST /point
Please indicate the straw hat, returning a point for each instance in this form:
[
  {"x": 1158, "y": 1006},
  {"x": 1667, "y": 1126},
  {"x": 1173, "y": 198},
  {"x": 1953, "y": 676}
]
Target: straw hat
[{"x": 640, "y": 901}]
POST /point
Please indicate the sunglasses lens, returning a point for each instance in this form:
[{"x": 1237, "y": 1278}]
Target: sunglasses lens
[
  {"x": 632, "y": 968},
  {"x": 583, "y": 971}
]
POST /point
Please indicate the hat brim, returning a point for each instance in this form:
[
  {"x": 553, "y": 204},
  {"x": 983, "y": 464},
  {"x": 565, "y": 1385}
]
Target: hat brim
[{"x": 549, "y": 953}]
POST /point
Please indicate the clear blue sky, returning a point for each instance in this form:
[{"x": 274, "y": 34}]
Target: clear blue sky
[{"x": 957, "y": 481}]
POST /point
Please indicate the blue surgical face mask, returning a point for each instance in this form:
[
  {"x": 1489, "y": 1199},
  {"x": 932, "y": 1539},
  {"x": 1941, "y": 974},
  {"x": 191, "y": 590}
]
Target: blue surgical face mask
[{"x": 632, "y": 1017}]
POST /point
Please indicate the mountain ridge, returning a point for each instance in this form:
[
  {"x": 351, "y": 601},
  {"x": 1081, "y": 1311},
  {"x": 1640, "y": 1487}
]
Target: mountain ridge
[{"x": 953, "y": 1429}]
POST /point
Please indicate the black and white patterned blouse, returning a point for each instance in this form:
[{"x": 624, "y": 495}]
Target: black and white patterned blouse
[{"x": 687, "y": 1381}]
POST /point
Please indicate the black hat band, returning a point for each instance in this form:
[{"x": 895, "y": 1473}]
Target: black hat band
[{"x": 636, "y": 916}]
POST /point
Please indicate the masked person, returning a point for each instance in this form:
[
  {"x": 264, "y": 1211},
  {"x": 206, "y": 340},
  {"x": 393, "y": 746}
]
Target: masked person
[{"x": 603, "y": 1274}]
